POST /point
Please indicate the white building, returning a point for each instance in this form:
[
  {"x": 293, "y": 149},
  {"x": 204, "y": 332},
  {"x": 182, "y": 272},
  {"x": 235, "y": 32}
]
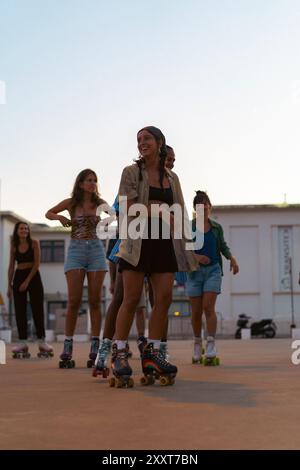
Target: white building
[{"x": 265, "y": 239}]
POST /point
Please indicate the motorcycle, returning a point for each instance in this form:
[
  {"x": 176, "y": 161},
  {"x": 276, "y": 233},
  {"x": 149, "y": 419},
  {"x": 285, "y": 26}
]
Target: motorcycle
[{"x": 265, "y": 327}]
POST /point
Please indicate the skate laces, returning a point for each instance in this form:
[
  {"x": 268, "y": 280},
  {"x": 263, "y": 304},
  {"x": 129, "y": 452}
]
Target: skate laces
[
  {"x": 68, "y": 347},
  {"x": 122, "y": 356},
  {"x": 104, "y": 350},
  {"x": 94, "y": 345}
]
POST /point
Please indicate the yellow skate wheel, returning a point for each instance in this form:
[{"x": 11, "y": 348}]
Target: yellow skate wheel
[
  {"x": 130, "y": 383},
  {"x": 217, "y": 361},
  {"x": 144, "y": 380},
  {"x": 112, "y": 382},
  {"x": 164, "y": 381},
  {"x": 119, "y": 383}
]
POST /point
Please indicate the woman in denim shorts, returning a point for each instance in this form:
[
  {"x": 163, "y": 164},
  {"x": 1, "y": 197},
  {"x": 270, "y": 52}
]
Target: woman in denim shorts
[
  {"x": 204, "y": 285},
  {"x": 86, "y": 256}
]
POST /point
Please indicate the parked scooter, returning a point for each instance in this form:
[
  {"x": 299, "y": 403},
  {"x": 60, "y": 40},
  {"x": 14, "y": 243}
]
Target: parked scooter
[{"x": 265, "y": 328}]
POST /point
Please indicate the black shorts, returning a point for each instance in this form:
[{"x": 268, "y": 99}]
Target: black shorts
[{"x": 157, "y": 256}]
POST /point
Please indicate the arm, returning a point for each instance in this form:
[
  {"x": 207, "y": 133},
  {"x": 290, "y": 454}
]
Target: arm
[
  {"x": 225, "y": 250},
  {"x": 53, "y": 213},
  {"x": 35, "y": 267},
  {"x": 11, "y": 270}
]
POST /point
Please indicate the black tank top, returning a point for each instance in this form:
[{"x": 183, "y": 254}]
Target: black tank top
[
  {"x": 161, "y": 194},
  {"x": 27, "y": 257}
]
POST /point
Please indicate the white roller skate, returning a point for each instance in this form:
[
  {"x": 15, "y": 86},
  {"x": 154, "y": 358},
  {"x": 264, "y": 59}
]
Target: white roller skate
[
  {"x": 198, "y": 351},
  {"x": 210, "y": 358},
  {"x": 45, "y": 350},
  {"x": 20, "y": 351}
]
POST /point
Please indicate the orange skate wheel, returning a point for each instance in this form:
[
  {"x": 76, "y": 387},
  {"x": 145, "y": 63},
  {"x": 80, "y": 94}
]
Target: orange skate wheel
[{"x": 112, "y": 382}]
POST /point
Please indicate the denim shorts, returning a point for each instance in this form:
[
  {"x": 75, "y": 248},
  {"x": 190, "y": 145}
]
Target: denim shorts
[
  {"x": 205, "y": 279},
  {"x": 86, "y": 254}
]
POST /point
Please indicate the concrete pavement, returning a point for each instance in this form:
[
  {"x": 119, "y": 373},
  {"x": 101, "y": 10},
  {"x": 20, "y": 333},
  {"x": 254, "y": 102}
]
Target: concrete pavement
[{"x": 251, "y": 401}]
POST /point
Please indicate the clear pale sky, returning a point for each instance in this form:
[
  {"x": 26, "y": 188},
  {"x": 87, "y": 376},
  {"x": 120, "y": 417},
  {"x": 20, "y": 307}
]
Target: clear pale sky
[{"x": 220, "y": 78}]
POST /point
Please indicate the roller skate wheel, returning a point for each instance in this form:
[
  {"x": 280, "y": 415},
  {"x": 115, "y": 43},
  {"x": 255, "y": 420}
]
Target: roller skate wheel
[
  {"x": 94, "y": 372},
  {"x": 217, "y": 361},
  {"x": 119, "y": 383},
  {"x": 27, "y": 355},
  {"x": 172, "y": 381},
  {"x": 130, "y": 382},
  {"x": 90, "y": 363},
  {"x": 72, "y": 364},
  {"x": 105, "y": 373},
  {"x": 164, "y": 381},
  {"x": 112, "y": 382}
]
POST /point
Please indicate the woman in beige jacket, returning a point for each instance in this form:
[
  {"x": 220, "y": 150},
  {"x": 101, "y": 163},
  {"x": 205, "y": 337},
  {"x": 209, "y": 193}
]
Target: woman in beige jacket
[{"x": 149, "y": 183}]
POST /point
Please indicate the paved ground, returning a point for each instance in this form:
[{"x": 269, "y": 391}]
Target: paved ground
[{"x": 251, "y": 401}]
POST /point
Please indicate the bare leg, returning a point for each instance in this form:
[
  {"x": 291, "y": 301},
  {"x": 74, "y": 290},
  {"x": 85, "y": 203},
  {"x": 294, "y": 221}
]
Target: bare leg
[
  {"x": 197, "y": 310},
  {"x": 162, "y": 284},
  {"x": 75, "y": 279},
  {"x": 114, "y": 306},
  {"x": 140, "y": 321},
  {"x": 133, "y": 282},
  {"x": 95, "y": 282},
  {"x": 209, "y": 304}
]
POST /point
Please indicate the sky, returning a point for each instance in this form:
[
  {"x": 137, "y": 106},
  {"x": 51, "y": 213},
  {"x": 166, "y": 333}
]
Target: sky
[{"x": 78, "y": 79}]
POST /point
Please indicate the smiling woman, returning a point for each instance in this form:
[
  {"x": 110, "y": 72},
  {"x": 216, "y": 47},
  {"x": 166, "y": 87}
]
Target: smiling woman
[
  {"x": 26, "y": 279},
  {"x": 85, "y": 257},
  {"x": 148, "y": 182}
]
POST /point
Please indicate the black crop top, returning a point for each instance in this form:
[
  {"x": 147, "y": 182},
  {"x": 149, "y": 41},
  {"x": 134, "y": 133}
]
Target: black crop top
[
  {"x": 161, "y": 194},
  {"x": 27, "y": 257}
]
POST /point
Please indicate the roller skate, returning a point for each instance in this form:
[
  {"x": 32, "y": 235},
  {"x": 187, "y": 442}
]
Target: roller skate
[
  {"x": 66, "y": 356},
  {"x": 210, "y": 358},
  {"x": 20, "y": 351},
  {"x": 100, "y": 367},
  {"x": 129, "y": 352},
  {"x": 45, "y": 350},
  {"x": 120, "y": 368},
  {"x": 93, "y": 352},
  {"x": 198, "y": 351},
  {"x": 163, "y": 350},
  {"x": 155, "y": 367},
  {"x": 141, "y": 343}
]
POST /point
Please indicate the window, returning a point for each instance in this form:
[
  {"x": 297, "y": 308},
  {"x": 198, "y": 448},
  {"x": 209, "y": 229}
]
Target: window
[{"x": 52, "y": 251}]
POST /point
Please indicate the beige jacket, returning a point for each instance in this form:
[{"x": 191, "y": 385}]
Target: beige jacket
[{"x": 133, "y": 188}]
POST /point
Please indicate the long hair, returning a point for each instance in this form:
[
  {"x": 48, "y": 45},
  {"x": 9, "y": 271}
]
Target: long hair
[
  {"x": 160, "y": 138},
  {"x": 15, "y": 237},
  {"x": 78, "y": 192}
]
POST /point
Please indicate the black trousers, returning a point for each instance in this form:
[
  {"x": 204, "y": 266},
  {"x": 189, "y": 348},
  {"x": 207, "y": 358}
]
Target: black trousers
[{"x": 36, "y": 296}]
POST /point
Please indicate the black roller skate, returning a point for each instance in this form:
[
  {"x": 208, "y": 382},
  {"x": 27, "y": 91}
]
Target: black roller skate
[
  {"x": 66, "y": 356},
  {"x": 20, "y": 351},
  {"x": 45, "y": 350},
  {"x": 120, "y": 368},
  {"x": 100, "y": 367},
  {"x": 155, "y": 367},
  {"x": 93, "y": 352}
]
